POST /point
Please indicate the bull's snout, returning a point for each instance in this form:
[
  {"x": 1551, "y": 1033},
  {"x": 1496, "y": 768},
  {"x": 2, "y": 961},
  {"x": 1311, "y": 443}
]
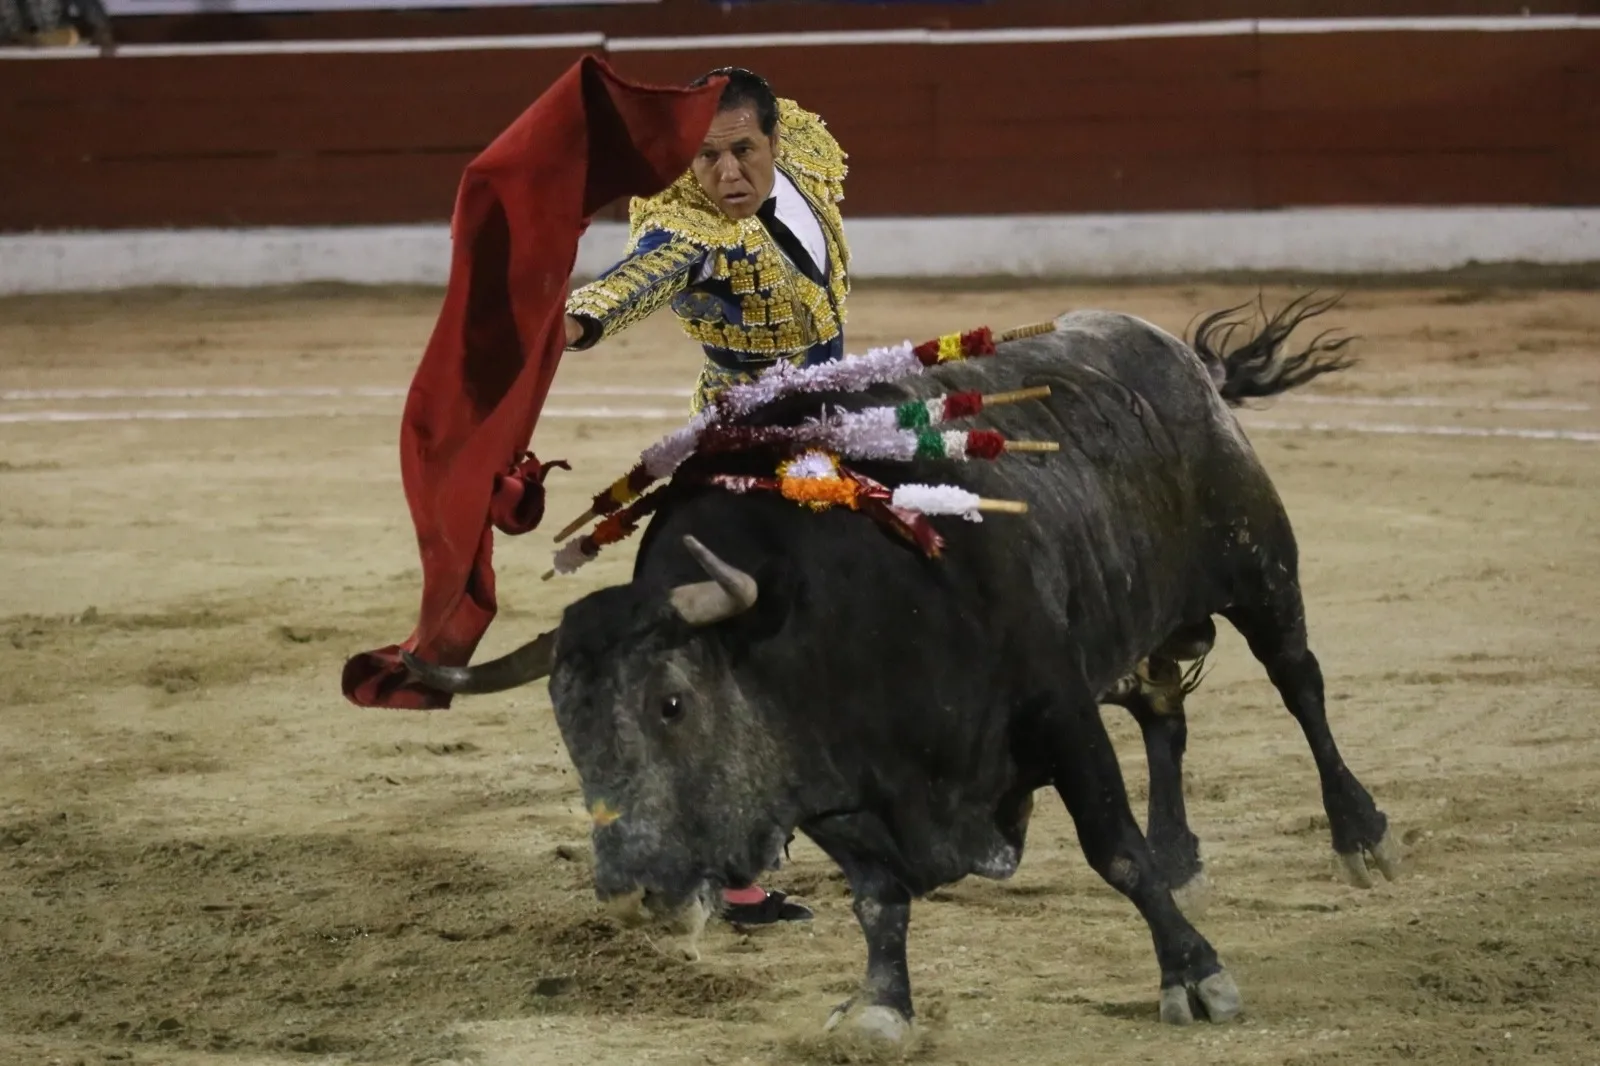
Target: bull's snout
[
  {"x": 641, "y": 906},
  {"x": 639, "y": 878},
  {"x": 627, "y": 907},
  {"x": 680, "y": 922},
  {"x": 646, "y": 876}
]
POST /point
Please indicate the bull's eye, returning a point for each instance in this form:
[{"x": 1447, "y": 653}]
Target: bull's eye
[{"x": 671, "y": 707}]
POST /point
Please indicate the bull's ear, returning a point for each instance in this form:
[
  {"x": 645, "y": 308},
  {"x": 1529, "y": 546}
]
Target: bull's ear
[{"x": 730, "y": 591}]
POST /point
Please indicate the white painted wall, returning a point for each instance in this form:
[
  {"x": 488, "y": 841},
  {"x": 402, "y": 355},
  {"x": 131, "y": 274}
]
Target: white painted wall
[{"x": 1337, "y": 240}]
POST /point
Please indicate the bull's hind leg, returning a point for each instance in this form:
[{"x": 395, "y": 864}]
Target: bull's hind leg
[
  {"x": 1090, "y": 783},
  {"x": 1154, "y": 695},
  {"x": 1276, "y": 633}
]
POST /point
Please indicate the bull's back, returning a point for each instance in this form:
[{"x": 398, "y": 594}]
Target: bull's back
[
  {"x": 1141, "y": 391},
  {"x": 1127, "y": 522}
]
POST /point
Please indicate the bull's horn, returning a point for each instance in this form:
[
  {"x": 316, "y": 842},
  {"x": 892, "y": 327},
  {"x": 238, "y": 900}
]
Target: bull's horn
[
  {"x": 528, "y": 663},
  {"x": 729, "y": 592}
]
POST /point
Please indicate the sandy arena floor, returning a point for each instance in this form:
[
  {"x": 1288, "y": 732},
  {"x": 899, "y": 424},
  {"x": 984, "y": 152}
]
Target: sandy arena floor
[{"x": 208, "y": 857}]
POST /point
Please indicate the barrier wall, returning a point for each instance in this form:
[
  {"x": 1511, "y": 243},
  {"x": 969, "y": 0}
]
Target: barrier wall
[
  {"x": 663, "y": 18},
  {"x": 1223, "y": 115}
]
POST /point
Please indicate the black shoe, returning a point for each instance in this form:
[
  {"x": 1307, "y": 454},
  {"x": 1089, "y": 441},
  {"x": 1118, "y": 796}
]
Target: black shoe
[{"x": 775, "y": 908}]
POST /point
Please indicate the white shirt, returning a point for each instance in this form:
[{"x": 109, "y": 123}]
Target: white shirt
[{"x": 793, "y": 211}]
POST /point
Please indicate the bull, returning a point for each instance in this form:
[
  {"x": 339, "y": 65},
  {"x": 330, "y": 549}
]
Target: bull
[{"x": 769, "y": 670}]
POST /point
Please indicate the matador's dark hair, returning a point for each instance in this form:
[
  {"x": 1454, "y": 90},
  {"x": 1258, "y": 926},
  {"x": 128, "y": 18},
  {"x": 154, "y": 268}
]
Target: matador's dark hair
[{"x": 746, "y": 87}]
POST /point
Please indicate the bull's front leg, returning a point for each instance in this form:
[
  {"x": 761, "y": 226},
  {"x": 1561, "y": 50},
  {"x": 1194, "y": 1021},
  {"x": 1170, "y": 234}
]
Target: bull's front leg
[
  {"x": 881, "y": 1009},
  {"x": 1193, "y": 981}
]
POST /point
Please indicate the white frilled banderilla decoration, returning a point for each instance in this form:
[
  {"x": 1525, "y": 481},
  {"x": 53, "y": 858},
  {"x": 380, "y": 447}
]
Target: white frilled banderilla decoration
[
  {"x": 813, "y": 475},
  {"x": 815, "y": 479}
]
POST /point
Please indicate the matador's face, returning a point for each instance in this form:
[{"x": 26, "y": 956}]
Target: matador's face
[{"x": 735, "y": 165}]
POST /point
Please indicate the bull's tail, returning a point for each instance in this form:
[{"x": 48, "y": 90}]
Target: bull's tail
[{"x": 1260, "y": 366}]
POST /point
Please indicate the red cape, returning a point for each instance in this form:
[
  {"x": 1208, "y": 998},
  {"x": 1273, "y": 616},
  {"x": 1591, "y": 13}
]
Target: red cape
[{"x": 521, "y": 207}]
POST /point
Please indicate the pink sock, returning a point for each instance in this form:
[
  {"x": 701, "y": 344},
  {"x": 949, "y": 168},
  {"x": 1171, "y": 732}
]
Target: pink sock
[{"x": 753, "y": 894}]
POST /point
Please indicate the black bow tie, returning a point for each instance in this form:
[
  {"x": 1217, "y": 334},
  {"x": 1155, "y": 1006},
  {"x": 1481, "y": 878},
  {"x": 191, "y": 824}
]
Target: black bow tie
[{"x": 796, "y": 251}]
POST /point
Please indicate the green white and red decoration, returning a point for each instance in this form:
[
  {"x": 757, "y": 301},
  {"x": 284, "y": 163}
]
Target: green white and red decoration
[{"x": 813, "y": 474}]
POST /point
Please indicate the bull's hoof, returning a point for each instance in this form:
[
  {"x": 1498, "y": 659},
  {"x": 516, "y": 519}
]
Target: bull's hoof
[
  {"x": 1193, "y": 896},
  {"x": 874, "y": 1026},
  {"x": 1357, "y": 866},
  {"x": 1215, "y": 998}
]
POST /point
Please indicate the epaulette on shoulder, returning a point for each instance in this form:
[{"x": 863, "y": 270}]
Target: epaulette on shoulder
[{"x": 805, "y": 146}]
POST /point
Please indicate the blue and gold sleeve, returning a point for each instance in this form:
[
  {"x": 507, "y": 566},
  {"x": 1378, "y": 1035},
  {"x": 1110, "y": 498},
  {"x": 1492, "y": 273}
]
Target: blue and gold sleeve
[{"x": 657, "y": 267}]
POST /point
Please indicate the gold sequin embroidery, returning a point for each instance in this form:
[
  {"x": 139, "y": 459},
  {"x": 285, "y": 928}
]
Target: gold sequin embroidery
[{"x": 783, "y": 311}]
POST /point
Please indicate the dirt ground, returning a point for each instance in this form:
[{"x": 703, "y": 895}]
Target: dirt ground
[{"x": 207, "y": 857}]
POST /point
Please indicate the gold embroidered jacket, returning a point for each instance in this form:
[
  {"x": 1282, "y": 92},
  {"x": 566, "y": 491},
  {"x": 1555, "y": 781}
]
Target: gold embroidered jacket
[{"x": 754, "y": 306}]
